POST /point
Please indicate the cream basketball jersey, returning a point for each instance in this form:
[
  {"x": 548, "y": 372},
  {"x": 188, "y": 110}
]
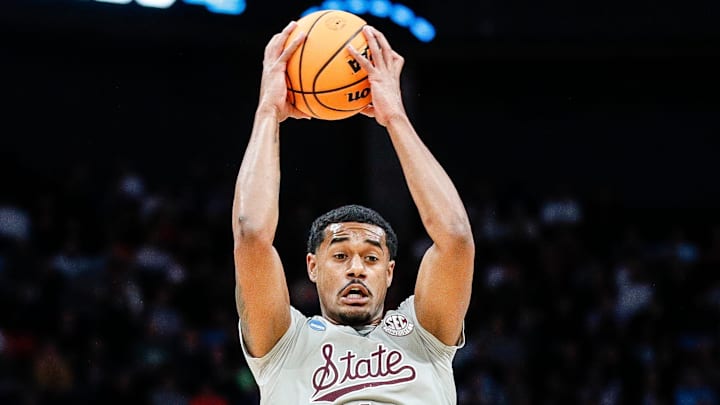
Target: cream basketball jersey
[{"x": 395, "y": 362}]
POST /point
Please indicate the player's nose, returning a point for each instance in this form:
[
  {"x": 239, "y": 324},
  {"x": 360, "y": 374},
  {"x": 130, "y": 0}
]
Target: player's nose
[{"x": 356, "y": 267}]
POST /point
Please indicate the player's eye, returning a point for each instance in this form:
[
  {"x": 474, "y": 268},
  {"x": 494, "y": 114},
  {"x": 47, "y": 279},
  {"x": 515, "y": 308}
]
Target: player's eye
[{"x": 340, "y": 256}]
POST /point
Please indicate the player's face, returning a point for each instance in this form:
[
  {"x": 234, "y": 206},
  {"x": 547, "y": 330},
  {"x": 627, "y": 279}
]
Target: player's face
[{"x": 352, "y": 270}]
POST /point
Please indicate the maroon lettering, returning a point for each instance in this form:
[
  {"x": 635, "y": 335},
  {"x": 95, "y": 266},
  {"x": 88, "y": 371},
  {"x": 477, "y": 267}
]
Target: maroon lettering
[
  {"x": 325, "y": 376},
  {"x": 382, "y": 367},
  {"x": 394, "y": 358},
  {"x": 347, "y": 359},
  {"x": 378, "y": 354}
]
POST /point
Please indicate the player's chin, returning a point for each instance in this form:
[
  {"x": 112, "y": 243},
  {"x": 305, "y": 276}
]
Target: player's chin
[{"x": 355, "y": 316}]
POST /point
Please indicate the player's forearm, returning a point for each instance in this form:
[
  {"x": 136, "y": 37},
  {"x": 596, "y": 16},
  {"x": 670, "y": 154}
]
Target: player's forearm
[
  {"x": 257, "y": 188},
  {"x": 441, "y": 210}
]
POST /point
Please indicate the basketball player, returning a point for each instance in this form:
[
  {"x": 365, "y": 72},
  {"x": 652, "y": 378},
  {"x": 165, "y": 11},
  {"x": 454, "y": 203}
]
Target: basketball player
[{"x": 354, "y": 352}]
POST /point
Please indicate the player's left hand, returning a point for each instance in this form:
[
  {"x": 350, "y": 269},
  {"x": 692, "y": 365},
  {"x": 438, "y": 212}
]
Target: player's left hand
[{"x": 384, "y": 70}]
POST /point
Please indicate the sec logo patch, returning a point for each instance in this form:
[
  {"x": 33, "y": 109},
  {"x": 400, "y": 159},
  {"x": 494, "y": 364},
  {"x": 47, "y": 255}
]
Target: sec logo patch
[{"x": 397, "y": 325}]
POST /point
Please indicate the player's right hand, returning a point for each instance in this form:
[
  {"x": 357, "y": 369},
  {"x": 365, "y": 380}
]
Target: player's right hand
[{"x": 273, "y": 89}]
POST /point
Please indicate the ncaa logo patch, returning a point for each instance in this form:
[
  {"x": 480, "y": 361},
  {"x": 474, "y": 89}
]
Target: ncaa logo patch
[
  {"x": 397, "y": 325},
  {"x": 316, "y": 324}
]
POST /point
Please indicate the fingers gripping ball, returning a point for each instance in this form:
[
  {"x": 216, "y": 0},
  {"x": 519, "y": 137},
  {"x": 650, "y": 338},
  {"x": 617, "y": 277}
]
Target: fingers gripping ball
[{"x": 323, "y": 78}]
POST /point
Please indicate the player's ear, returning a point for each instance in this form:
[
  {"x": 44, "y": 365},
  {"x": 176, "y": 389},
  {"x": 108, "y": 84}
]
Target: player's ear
[
  {"x": 390, "y": 272},
  {"x": 311, "y": 264}
]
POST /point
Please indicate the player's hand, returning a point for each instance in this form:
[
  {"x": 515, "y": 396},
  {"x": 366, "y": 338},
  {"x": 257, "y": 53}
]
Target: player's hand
[
  {"x": 384, "y": 75},
  {"x": 273, "y": 89}
]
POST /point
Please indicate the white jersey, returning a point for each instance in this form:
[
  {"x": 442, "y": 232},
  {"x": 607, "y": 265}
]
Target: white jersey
[{"x": 395, "y": 362}]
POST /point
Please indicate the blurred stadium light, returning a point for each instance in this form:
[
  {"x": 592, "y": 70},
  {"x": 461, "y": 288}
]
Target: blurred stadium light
[
  {"x": 400, "y": 14},
  {"x": 233, "y": 7}
]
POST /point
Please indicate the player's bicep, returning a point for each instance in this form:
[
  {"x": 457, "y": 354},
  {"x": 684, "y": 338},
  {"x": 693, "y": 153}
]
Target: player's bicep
[
  {"x": 443, "y": 289},
  {"x": 261, "y": 297}
]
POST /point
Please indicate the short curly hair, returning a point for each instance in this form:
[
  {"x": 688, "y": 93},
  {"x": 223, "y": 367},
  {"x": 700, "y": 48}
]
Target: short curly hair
[{"x": 351, "y": 213}]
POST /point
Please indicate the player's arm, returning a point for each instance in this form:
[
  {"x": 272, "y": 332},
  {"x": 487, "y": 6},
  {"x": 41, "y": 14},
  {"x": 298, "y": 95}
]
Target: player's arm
[
  {"x": 261, "y": 291},
  {"x": 444, "y": 281}
]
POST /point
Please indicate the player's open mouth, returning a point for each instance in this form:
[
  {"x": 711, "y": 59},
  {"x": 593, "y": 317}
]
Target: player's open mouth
[{"x": 355, "y": 294}]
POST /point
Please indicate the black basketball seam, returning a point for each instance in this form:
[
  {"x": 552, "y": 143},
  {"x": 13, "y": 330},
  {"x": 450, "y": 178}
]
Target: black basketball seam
[
  {"x": 300, "y": 64},
  {"x": 328, "y": 90},
  {"x": 291, "y": 92},
  {"x": 327, "y": 62}
]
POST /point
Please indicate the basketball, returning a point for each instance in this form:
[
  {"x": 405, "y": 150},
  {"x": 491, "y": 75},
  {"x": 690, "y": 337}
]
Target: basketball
[{"x": 323, "y": 79}]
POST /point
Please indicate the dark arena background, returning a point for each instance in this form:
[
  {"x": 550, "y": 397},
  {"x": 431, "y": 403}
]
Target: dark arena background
[{"x": 583, "y": 137}]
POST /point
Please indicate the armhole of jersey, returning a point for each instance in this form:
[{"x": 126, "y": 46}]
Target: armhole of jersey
[
  {"x": 265, "y": 368},
  {"x": 408, "y": 306},
  {"x": 295, "y": 318}
]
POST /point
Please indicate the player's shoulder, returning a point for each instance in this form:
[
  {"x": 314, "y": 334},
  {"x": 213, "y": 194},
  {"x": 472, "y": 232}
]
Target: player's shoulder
[{"x": 407, "y": 305}]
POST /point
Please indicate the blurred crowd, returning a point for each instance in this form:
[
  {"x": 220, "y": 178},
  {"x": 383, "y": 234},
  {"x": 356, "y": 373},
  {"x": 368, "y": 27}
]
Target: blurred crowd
[{"x": 117, "y": 288}]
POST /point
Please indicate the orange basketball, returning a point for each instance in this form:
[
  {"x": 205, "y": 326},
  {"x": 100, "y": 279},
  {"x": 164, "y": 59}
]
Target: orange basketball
[{"x": 323, "y": 78}]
